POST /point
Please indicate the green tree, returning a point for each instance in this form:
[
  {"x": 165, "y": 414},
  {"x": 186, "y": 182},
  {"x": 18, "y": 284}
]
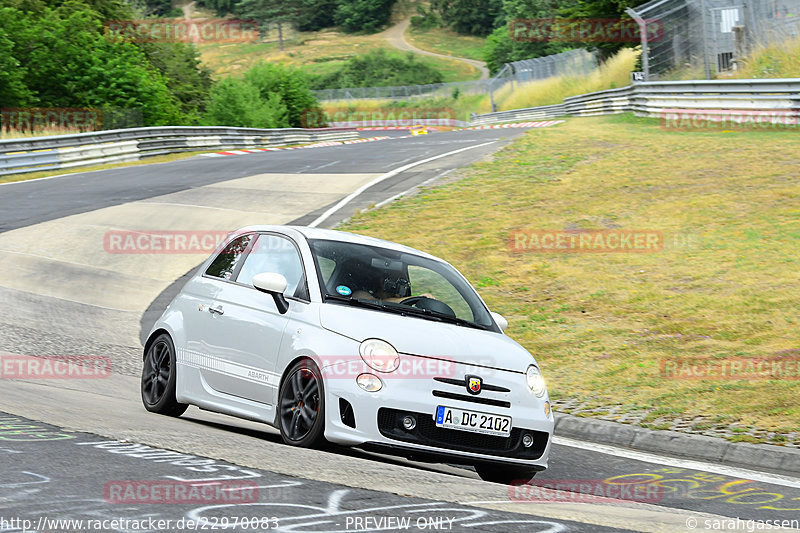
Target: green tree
[
  {"x": 472, "y": 17},
  {"x": 601, "y": 9},
  {"x": 13, "y": 92},
  {"x": 77, "y": 66},
  {"x": 363, "y": 16},
  {"x": 188, "y": 81},
  {"x": 503, "y": 47}
]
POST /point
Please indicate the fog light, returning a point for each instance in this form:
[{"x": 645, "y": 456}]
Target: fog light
[
  {"x": 369, "y": 382},
  {"x": 547, "y": 409},
  {"x": 527, "y": 440},
  {"x": 409, "y": 423}
]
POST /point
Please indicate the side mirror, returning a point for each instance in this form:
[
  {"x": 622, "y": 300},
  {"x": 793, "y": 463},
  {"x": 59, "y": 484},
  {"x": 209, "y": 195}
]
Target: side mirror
[
  {"x": 501, "y": 321},
  {"x": 273, "y": 284}
]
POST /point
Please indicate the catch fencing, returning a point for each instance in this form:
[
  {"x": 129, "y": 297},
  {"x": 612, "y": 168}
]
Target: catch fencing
[
  {"x": 574, "y": 62},
  {"x": 704, "y": 38}
]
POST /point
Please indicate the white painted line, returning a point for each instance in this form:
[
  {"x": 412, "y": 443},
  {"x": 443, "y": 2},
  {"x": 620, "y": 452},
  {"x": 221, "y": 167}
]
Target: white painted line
[
  {"x": 775, "y": 479},
  {"x": 350, "y": 197}
]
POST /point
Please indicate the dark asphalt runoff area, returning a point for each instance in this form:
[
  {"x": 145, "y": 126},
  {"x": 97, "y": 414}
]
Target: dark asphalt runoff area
[
  {"x": 54, "y": 480},
  {"x": 32, "y": 202}
]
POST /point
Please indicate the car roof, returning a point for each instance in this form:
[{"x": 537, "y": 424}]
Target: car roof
[{"x": 342, "y": 236}]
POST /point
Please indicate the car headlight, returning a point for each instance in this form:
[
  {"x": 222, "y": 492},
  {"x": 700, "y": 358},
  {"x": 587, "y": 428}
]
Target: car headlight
[
  {"x": 379, "y": 355},
  {"x": 535, "y": 381}
]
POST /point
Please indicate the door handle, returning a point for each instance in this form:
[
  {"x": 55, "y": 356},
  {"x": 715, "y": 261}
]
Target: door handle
[{"x": 216, "y": 310}]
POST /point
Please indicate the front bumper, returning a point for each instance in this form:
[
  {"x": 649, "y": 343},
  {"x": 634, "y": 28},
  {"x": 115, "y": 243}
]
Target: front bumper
[{"x": 355, "y": 417}]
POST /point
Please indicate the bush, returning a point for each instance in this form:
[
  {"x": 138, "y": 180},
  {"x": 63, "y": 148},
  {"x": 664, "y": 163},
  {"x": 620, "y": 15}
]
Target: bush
[
  {"x": 380, "y": 69},
  {"x": 289, "y": 83},
  {"x": 267, "y": 96},
  {"x": 425, "y": 19},
  {"x": 236, "y": 102}
]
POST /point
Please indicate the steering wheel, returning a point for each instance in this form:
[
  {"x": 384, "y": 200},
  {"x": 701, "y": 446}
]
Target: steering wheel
[
  {"x": 431, "y": 304},
  {"x": 414, "y": 300}
]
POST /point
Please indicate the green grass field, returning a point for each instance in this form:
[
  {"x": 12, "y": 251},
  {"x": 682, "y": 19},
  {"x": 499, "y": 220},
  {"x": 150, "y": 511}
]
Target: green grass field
[
  {"x": 316, "y": 53},
  {"x": 724, "y": 286},
  {"x": 447, "y": 42}
]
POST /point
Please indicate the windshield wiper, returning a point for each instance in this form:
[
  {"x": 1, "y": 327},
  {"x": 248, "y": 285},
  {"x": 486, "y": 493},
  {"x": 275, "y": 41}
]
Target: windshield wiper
[
  {"x": 403, "y": 310},
  {"x": 427, "y": 313},
  {"x": 352, "y": 300},
  {"x": 383, "y": 306}
]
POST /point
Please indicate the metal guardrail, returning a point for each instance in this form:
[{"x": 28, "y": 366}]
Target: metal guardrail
[
  {"x": 654, "y": 98},
  {"x": 35, "y": 154},
  {"x": 651, "y": 99}
]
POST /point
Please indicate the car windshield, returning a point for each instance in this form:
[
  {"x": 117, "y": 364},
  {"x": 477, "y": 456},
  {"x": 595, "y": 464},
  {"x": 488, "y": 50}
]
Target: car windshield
[{"x": 396, "y": 282}]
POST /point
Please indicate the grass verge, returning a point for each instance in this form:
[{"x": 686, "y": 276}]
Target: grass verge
[
  {"x": 447, "y": 42},
  {"x": 316, "y": 53},
  {"x": 724, "y": 286},
  {"x": 780, "y": 60}
]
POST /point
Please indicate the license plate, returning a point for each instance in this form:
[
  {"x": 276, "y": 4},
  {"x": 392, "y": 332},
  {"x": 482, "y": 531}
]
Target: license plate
[{"x": 461, "y": 419}]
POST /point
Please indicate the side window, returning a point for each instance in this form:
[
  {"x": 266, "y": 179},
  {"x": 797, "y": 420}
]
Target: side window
[
  {"x": 272, "y": 253},
  {"x": 226, "y": 262},
  {"x": 326, "y": 267}
]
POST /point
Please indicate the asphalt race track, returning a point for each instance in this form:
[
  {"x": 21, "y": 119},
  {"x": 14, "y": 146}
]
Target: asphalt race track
[{"x": 66, "y": 445}]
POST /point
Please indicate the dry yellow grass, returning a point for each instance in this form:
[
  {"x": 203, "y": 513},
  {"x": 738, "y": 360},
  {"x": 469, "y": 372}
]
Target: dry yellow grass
[
  {"x": 40, "y": 132},
  {"x": 777, "y": 61},
  {"x": 614, "y": 73},
  {"x": 725, "y": 285}
]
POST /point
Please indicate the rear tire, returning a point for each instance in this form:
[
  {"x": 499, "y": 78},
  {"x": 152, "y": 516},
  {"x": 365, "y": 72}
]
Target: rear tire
[
  {"x": 505, "y": 475},
  {"x": 301, "y": 406},
  {"x": 159, "y": 374}
]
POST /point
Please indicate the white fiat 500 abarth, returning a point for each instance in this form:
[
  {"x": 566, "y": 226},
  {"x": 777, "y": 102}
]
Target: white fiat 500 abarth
[{"x": 331, "y": 336}]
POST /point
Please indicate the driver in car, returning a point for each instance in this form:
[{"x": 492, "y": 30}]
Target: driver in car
[{"x": 388, "y": 289}]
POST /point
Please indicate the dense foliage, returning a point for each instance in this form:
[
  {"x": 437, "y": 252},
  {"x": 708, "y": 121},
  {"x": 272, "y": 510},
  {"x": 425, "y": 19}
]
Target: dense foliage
[
  {"x": 58, "y": 53},
  {"x": 55, "y": 54},
  {"x": 495, "y": 18},
  {"x": 353, "y": 16}
]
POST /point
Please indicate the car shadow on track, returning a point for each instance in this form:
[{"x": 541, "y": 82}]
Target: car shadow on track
[{"x": 270, "y": 434}]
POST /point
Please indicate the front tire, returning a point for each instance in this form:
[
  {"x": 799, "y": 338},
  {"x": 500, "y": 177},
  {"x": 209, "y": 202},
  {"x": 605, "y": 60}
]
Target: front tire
[
  {"x": 505, "y": 475},
  {"x": 301, "y": 406},
  {"x": 159, "y": 374}
]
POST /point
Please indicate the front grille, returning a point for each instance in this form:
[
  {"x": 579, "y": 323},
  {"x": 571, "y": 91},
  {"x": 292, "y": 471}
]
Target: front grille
[
  {"x": 473, "y": 399},
  {"x": 390, "y": 424}
]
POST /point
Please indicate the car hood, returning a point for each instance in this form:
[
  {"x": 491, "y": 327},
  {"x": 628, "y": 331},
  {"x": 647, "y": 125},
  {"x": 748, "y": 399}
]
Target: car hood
[{"x": 419, "y": 336}]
